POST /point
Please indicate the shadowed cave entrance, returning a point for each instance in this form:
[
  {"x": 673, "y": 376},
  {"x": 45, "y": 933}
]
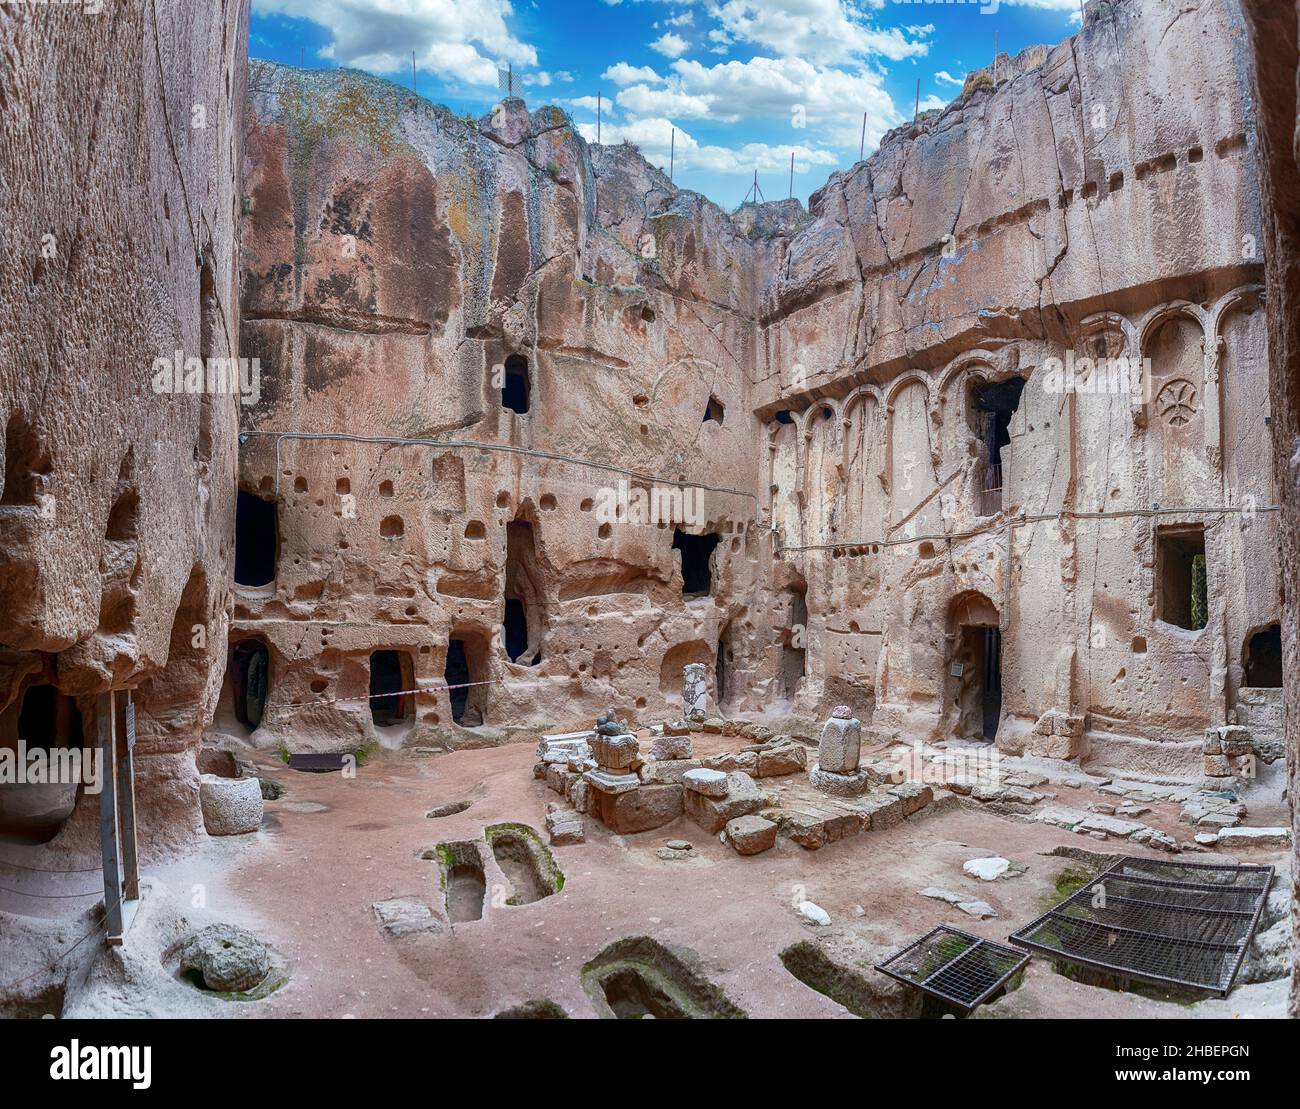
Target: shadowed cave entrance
[
  {"x": 1182, "y": 586},
  {"x": 516, "y": 389},
  {"x": 973, "y": 677},
  {"x": 256, "y": 538},
  {"x": 27, "y": 465},
  {"x": 250, "y": 675},
  {"x": 523, "y": 620},
  {"x": 992, "y": 404},
  {"x": 44, "y": 720},
  {"x": 390, "y": 673},
  {"x": 466, "y": 665},
  {"x": 1263, "y": 662},
  {"x": 697, "y": 555}
]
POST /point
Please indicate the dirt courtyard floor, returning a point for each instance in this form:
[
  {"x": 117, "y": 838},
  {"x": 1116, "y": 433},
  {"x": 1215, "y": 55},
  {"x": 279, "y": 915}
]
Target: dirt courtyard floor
[{"x": 332, "y": 846}]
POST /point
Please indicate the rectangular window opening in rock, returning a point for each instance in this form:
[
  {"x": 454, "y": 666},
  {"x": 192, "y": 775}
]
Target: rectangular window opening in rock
[
  {"x": 256, "y": 539},
  {"x": 696, "y": 561},
  {"x": 516, "y": 388},
  {"x": 992, "y": 404},
  {"x": 1181, "y": 576}
]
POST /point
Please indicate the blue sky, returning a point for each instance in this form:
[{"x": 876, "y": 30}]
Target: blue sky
[{"x": 743, "y": 82}]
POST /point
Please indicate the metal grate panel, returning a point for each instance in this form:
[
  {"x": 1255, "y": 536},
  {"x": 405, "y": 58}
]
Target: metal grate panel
[
  {"x": 319, "y": 762},
  {"x": 1168, "y": 923},
  {"x": 955, "y": 966}
]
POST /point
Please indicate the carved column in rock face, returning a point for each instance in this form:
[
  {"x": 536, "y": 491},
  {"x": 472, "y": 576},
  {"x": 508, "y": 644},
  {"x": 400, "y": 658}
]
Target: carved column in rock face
[
  {"x": 695, "y": 691},
  {"x": 840, "y": 747}
]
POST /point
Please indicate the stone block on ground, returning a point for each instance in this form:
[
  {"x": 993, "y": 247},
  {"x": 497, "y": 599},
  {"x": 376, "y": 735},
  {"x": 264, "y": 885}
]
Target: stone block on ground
[
  {"x": 229, "y": 959},
  {"x": 839, "y": 785},
  {"x": 881, "y": 811},
  {"x": 673, "y": 745},
  {"x": 230, "y": 806},
  {"x": 814, "y": 826},
  {"x": 564, "y": 825},
  {"x": 706, "y": 781},
  {"x": 561, "y": 747},
  {"x": 638, "y": 810},
  {"x": 751, "y": 835},
  {"x": 914, "y": 796},
  {"x": 987, "y": 869},
  {"x": 670, "y": 770},
  {"x": 404, "y": 916},
  {"x": 615, "y": 752},
  {"x": 579, "y": 793},
  {"x": 785, "y": 758},
  {"x": 743, "y": 797},
  {"x": 1254, "y": 837},
  {"x": 1110, "y": 825},
  {"x": 746, "y": 761},
  {"x": 971, "y": 906}
]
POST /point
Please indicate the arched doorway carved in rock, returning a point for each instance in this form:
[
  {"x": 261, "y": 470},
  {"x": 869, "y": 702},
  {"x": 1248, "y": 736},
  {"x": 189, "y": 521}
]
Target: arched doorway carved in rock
[{"x": 973, "y": 668}]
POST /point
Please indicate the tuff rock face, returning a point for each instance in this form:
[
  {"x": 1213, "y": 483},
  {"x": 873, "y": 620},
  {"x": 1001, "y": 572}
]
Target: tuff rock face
[
  {"x": 893, "y": 497},
  {"x": 118, "y": 246},
  {"x": 1275, "y": 67}
]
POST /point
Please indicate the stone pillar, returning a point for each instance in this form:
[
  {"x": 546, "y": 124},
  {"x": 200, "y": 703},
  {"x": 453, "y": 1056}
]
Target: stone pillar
[
  {"x": 838, "y": 754},
  {"x": 695, "y": 691}
]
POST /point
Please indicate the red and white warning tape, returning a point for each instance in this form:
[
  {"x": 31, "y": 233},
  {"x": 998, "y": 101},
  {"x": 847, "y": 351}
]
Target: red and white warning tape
[{"x": 434, "y": 689}]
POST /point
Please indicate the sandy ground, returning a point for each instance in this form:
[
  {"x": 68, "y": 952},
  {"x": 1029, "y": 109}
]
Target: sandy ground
[{"x": 331, "y": 846}]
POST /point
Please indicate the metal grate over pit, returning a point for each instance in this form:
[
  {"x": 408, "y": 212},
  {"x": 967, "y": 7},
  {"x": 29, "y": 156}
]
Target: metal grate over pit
[
  {"x": 1164, "y": 922},
  {"x": 319, "y": 763},
  {"x": 955, "y": 966}
]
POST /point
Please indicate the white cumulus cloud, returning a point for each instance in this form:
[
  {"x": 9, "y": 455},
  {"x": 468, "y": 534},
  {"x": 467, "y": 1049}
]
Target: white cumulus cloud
[
  {"x": 822, "y": 31},
  {"x": 459, "y": 40},
  {"x": 809, "y": 100},
  {"x": 670, "y": 45},
  {"x": 654, "y": 137},
  {"x": 623, "y": 74}
]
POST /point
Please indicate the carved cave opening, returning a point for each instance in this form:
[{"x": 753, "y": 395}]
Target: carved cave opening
[
  {"x": 1263, "y": 661},
  {"x": 250, "y": 676},
  {"x": 992, "y": 404},
  {"x": 466, "y": 663},
  {"x": 44, "y": 720},
  {"x": 973, "y": 675},
  {"x": 26, "y": 463},
  {"x": 516, "y": 388},
  {"x": 696, "y": 557},
  {"x": 391, "y": 672},
  {"x": 256, "y": 539},
  {"x": 1182, "y": 588},
  {"x": 523, "y": 621}
]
